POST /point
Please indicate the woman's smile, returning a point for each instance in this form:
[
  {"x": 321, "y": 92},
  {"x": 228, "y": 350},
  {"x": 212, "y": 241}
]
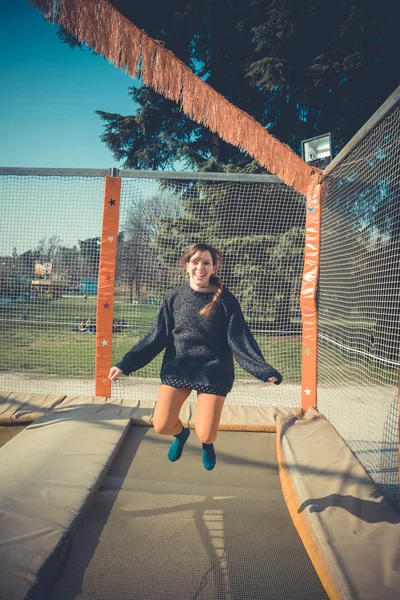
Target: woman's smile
[{"x": 200, "y": 268}]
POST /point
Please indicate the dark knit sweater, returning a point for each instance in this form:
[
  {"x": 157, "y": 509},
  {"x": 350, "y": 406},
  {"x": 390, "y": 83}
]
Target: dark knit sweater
[{"x": 199, "y": 350}]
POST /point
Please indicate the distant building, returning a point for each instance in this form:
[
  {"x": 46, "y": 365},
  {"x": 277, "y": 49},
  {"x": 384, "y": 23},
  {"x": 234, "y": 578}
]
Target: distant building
[
  {"x": 88, "y": 285},
  {"x": 44, "y": 269}
]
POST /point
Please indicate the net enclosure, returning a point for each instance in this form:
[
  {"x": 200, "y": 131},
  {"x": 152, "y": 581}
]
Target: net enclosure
[
  {"x": 53, "y": 229},
  {"x": 49, "y": 277},
  {"x": 257, "y": 224},
  {"x": 87, "y": 258},
  {"x": 359, "y": 296},
  {"x": 50, "y": 272}
]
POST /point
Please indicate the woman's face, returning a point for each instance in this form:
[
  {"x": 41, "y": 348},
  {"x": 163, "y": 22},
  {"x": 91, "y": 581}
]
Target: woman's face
[{"x": 200, "y": 268}]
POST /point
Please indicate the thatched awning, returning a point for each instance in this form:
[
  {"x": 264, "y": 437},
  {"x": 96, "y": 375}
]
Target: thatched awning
[{"x": 109, "y": 33}]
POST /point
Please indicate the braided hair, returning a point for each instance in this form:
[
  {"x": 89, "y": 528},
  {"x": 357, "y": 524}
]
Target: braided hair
[{"x": 214, "y": 279}]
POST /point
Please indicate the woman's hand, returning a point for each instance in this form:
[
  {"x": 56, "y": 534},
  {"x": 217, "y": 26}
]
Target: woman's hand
[
  {"x": 114, "y": 373},
  {"x": 269, "y": 380}
]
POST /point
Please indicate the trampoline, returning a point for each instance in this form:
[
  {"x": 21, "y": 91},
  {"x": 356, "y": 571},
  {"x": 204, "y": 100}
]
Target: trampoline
[
  {"x": 92, "y": 508},
  {"x": 171, "y": 530}
]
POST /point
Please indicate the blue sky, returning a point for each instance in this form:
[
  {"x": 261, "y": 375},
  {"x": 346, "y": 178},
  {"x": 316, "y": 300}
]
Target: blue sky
[
  {"x": 49, "y": 94},
  {"x": 48, "y": 98}
]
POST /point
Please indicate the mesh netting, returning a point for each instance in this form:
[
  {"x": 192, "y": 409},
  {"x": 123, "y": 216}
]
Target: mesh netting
[
  {"x": 49, "y": 242},
  {"x": 50, "y": 257},
  {"x": 359, "y": 302},
  {"x": 258, "y": 227}
]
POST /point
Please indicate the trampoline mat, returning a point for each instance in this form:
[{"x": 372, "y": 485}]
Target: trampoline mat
[
  {"x": 8, "y": 432},
  {"x": 171, "y": 531}
]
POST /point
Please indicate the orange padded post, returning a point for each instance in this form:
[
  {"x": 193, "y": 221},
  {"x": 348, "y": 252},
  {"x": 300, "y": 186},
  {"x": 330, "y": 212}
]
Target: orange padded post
[
  {"x": 307, "y": 297},
  {"x": 105, "y": 297}
]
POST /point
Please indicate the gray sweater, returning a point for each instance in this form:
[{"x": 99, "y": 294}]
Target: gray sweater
[{"x": 199, "y": 350}]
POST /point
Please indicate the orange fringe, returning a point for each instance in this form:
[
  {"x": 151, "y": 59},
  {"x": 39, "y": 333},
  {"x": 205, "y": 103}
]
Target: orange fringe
[{"x": 99, "y": 24}]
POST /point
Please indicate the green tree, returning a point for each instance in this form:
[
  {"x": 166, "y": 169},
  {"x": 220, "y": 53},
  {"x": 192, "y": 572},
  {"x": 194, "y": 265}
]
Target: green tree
[
  {"x": 26, "y": 263},
  {"x": 262, "y": 243},
  {"x": 323, "y": 67},
  {"x": 298, "y": 67},
  {"x": 90, "y": 255}
]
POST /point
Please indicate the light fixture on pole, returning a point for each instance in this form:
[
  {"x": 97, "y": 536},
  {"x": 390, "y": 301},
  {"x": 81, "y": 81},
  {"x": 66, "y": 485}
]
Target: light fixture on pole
[{"x": 317, "y": 151}]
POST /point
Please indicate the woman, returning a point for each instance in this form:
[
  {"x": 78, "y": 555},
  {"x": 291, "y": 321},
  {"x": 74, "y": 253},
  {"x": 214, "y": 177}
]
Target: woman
[{"x": 201, "y": 327}]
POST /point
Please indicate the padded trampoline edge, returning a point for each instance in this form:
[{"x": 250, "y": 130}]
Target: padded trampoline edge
[
  {"x": 348, "y": 528},
  {"x": 29, "y": 570},
  {"x": 49, "y": 570},
  {"x": 310, "y": 534},
  {"x": 25, "y": 407}
]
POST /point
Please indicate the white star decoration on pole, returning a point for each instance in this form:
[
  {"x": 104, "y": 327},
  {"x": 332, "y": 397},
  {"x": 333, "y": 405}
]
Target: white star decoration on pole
[
  {"x": 104, "y": 343},
  {"x": 110, "y": 238},
  {"x": 307, "y": 392}
]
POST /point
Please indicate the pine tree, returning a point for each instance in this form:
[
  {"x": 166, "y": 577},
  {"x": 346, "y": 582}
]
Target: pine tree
[
  {"x": 301, "y": 68},
  {"x": 324, "y": 67},
  {"x": 262, "y": 252}
]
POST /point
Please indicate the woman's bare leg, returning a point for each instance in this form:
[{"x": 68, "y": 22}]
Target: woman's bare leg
[
  {"x": 166, "y": 419},
  {"x": 208, "y": 414}
]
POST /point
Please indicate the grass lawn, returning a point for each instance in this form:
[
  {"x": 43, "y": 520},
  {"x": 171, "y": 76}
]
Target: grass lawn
[{"x": 41, "y": 338}]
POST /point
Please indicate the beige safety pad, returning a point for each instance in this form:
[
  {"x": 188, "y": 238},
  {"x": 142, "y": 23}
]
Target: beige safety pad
[
  {"x": 234, "y": 418},
  {"x": 8, "y": 432},
  {"x": 253, "y": 418},
  {"x": 139, "y": 411},
  {"x": 20, "y": 407},
  {"x": 350, "y": 531},
  {"x": 47, "y": 474}
]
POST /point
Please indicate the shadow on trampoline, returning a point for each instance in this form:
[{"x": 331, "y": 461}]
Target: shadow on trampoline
[{"x": 363, "y": 509}]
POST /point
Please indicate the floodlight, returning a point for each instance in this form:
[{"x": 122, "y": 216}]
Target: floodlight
[{"x": 317, "y": 151}]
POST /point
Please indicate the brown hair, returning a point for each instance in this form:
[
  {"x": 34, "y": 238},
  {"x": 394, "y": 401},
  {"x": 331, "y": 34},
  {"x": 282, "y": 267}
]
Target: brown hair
[{"x": 214, "y": 279}]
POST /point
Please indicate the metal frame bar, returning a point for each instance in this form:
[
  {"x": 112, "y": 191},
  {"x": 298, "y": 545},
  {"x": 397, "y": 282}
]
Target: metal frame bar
[
  {"x": 200, "y": 176},
  {"x": 132, "y": 174},
  {"x": 54, "y": 172}
]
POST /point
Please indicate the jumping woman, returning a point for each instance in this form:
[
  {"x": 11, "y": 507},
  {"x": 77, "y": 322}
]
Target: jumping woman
[{"x": 201, "y": 327}]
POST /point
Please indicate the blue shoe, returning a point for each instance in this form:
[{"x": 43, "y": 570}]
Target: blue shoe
[
  {"x": 175, "y": 450},
  {"x": 209, "y": 456}
]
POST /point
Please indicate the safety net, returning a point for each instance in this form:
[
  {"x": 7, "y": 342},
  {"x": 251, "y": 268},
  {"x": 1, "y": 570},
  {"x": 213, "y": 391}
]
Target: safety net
[
  {"x": 259, "y": 229},
  {"x": 359, "y": 301},
  {"x": 50, "y": 264},
  {"x": 48, "y": 280}
]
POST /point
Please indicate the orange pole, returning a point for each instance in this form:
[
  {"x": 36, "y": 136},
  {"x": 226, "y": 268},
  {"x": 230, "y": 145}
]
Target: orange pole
[
  {"x": 105, "y": 296},
  {"x": 307, "y": 297}
]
